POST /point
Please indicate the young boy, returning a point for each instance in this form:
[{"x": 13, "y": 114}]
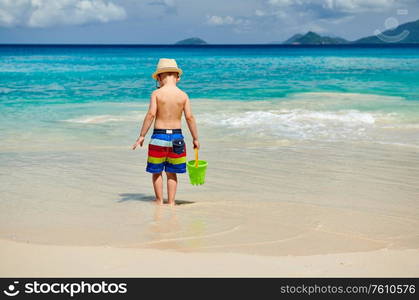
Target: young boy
[{"x": 166, "y": 150}]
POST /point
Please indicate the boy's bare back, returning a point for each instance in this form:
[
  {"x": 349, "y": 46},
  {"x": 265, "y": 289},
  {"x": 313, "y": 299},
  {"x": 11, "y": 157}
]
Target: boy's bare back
[
  {"x": 170, "y": 101},
  {"x": 166, "y": 106}
]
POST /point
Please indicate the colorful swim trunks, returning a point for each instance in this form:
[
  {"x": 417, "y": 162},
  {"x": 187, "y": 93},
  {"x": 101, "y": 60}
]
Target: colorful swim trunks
[{"x": 166, "y": 151}]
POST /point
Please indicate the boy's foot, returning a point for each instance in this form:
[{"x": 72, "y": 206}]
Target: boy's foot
[
  {"x": 159, "y": 202},
  {"x": 172, "y": 203}
]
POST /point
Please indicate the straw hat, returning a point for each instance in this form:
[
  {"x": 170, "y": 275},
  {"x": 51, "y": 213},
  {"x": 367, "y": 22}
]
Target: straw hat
[{"x": 166, "y": 65}]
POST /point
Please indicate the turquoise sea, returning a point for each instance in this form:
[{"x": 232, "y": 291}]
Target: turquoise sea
[
  {"x": 74, "y": 74},
  {"x": 42, "y": 86},
  {"x": 335, "y": 128}
]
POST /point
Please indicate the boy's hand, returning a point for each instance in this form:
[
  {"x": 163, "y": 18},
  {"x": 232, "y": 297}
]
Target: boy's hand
[
  {"x": 140, "y": 141},
  {"x": 195, "y": 144}
]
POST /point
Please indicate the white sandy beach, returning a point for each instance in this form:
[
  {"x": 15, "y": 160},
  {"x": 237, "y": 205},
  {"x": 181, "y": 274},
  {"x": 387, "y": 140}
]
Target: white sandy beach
[{"x": 30, "y": 260}]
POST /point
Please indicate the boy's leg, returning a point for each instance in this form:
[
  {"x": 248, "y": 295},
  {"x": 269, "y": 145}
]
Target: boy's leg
[
  {"x": 171, "y": 187},
  {"x": 158, "y": 187}
]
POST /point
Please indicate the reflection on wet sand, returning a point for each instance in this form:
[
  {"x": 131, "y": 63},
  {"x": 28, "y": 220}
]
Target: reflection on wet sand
[{"x": 166, "y": 223}]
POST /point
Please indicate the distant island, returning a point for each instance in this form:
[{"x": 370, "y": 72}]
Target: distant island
[
  {"x": 192, "y": 41},
  {"x": 312, "y": 38},
  {"x": 405, "y": 33}
]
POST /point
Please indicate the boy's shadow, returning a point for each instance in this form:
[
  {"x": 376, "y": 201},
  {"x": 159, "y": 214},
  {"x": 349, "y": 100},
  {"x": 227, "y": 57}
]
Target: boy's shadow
[{"x": 146, "y": 198}]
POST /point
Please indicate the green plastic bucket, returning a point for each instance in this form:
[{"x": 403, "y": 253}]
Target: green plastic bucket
[{"x": 197, "y": 173}]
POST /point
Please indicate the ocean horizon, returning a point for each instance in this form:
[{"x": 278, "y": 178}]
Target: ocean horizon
[{"x": 348, "y": 45}]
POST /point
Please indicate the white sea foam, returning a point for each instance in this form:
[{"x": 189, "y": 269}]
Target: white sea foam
[
  {"x": 402, "y": 126},
  {"x": 298, "y": 123},
  {"x": 345, "y": 96},
  {"x": 318, "y": 116},
  {"x": 299, "y": 115},
  {"x": 399, "y": 144},
  {"x": 5, "y": 90},
  {"x": 99, "y": 119}
]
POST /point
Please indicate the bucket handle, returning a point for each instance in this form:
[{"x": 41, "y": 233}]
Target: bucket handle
[{"x": 196, "y": 157}]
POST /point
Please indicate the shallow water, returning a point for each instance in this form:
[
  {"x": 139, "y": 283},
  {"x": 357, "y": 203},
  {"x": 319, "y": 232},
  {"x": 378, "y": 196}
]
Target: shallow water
[{"x": 296, "y": 167}]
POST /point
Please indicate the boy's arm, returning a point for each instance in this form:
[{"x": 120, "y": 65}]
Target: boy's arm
[
  {"x": 190, "y": 120},
  {"x": 148, "y": 120}
]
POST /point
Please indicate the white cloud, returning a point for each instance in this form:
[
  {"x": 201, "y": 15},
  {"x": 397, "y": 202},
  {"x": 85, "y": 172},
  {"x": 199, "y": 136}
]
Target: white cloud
[
  {"x": 357, "y": 6},
  {"x": 345, "y": 6},
  {"x": 332, "y": 11},
  {"x": 313, "y": 27},
  {"x": 260, "y": 13},
  {"x": 281, "y": 2},
  {"x": 45, "y": 13},
  {"x": 168, "y": 5},
  {"x": 219, "y": 20},
  {"x": 237, "y": 24}
]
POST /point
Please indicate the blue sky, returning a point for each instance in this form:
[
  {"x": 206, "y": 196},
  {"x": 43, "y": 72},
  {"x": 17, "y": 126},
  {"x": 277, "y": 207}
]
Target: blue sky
[{"x": 216, "y": 21}]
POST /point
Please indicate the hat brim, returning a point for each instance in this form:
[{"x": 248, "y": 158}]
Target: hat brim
[{"x": 165, "y": 70}]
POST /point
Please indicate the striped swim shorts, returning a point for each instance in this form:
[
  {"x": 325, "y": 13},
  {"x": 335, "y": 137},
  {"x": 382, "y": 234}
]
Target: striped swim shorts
[{"x": 161, "y": 152}]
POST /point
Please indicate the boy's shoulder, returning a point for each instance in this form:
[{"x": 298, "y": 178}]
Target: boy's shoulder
[
  {"x": 183, "y": 93},
  {"x": 160, "y": 91}
]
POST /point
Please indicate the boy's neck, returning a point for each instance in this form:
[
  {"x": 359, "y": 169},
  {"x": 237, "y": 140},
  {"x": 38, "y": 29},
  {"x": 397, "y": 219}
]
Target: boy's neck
[
  {"x": 169, "y": 84},
  {"x": 169, "y": 81}
]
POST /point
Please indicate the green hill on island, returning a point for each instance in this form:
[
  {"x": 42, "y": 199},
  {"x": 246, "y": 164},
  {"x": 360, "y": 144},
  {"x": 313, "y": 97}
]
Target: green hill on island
[
  {"x": 293, "y": 39},
  {"x": 404, "y": 33},
  {"x": 312, "y": 38},
  {"x": 191, "y": 41}
]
